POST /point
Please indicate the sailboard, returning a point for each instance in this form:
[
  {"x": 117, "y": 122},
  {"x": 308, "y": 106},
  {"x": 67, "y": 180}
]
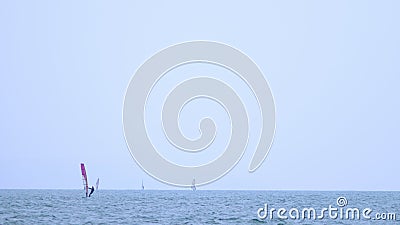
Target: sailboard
[
  {"x": 84, "y": 179},
  {"x": 142, "y": 185}
]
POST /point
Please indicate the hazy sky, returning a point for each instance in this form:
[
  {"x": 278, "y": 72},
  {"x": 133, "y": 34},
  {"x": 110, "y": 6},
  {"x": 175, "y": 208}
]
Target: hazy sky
[{"x": 333, "y": 67}]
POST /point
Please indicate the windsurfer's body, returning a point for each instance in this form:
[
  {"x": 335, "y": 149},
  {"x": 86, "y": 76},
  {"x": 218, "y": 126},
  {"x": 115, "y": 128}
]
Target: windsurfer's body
[{"x": 91, "y": 191}]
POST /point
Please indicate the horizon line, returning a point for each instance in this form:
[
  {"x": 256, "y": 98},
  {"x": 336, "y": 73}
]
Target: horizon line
[{"x": 188, "y": 189}]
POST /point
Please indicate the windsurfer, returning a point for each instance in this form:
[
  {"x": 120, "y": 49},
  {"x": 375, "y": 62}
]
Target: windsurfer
[{"x": 91, "y": 191}]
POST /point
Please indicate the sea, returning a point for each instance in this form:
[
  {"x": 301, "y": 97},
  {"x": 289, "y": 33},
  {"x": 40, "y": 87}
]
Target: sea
[{"x": 198, "y": 207}]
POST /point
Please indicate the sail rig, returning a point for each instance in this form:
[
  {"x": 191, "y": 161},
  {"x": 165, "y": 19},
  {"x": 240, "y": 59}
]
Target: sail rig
[{"x": 84, "y": 179}]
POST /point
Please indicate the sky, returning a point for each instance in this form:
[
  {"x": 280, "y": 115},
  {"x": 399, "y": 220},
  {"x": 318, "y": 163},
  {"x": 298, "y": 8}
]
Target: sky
[{"x": 332, "y": 66}]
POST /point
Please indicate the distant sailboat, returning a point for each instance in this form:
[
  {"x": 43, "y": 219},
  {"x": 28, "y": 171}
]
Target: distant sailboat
[
  {"x": 142, "y": 185},
  {"x": 193, "y": 185}
]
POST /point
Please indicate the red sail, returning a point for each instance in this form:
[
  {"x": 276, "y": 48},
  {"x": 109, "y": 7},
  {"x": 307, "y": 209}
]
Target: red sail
[{"x": 84, "y": 178}]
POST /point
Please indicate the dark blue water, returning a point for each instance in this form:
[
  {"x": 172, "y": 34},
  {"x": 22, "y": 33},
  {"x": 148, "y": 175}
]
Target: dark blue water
[{"x": 188, "y": 207}]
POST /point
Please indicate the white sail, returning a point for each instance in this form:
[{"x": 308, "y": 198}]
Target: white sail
[{"x": 97, "y": 184}]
